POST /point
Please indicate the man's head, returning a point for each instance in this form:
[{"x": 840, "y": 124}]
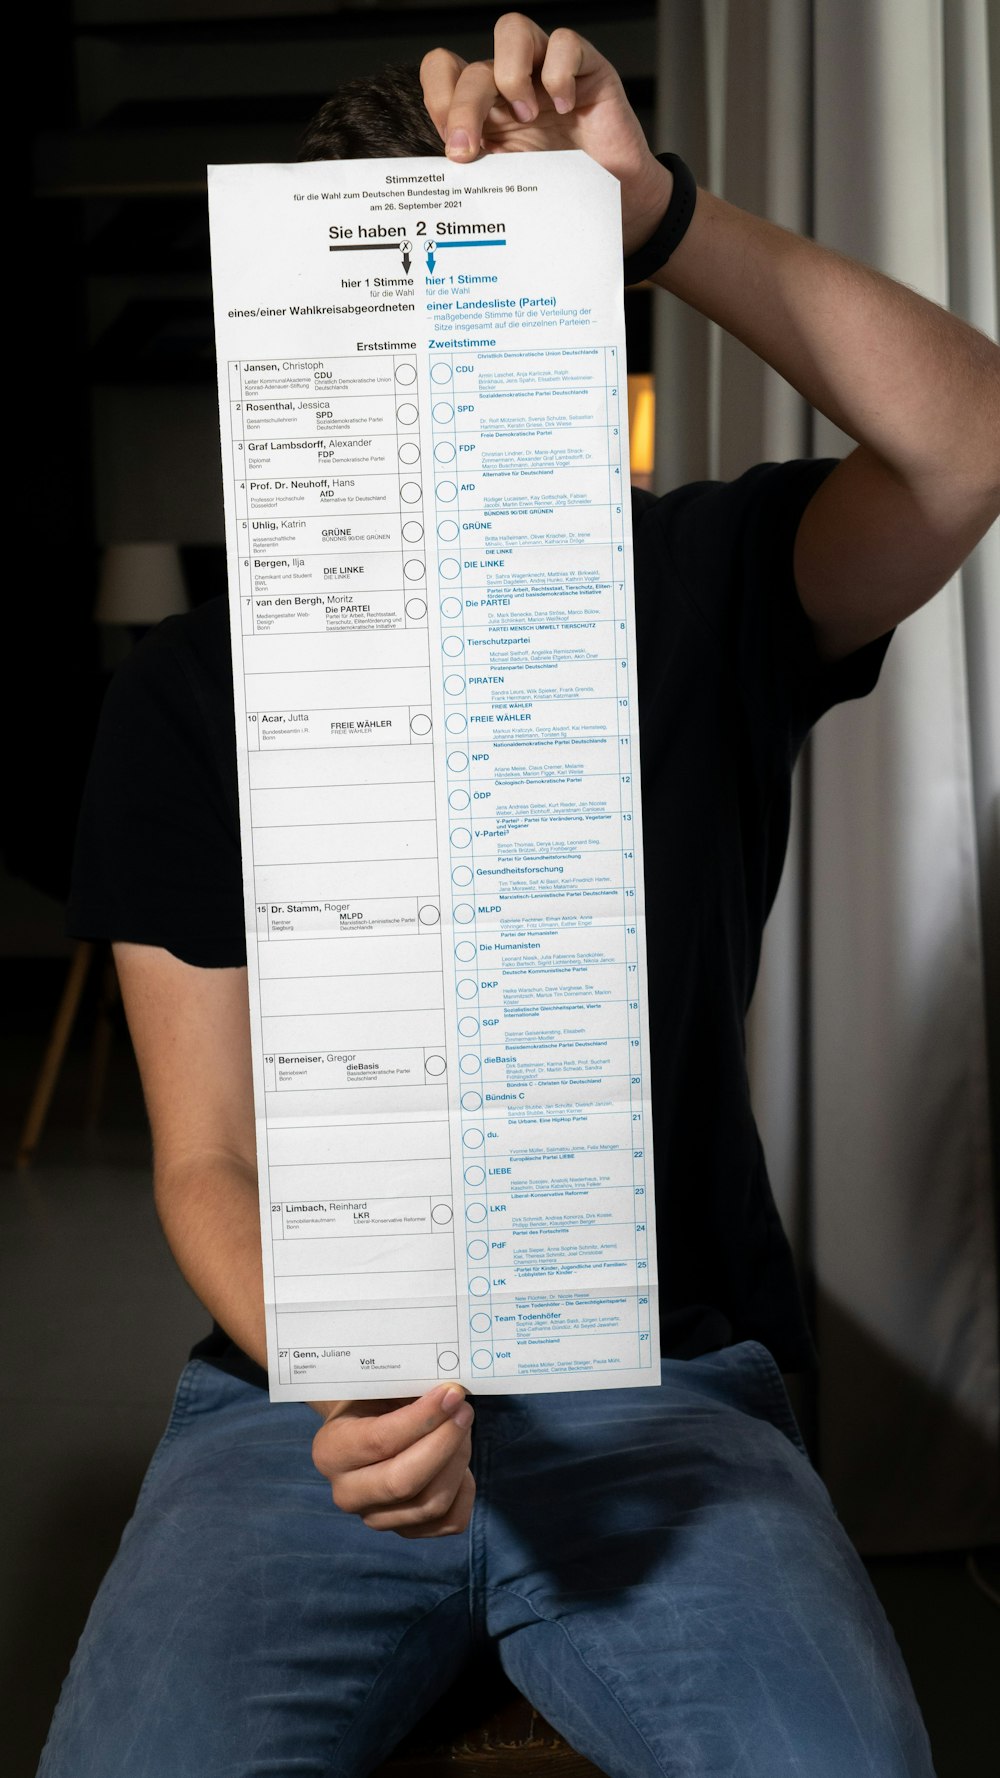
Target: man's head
[{"x": 371, "y": 116}]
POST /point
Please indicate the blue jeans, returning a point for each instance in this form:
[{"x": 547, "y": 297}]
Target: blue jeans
[{"x": 661, "y": 1571}]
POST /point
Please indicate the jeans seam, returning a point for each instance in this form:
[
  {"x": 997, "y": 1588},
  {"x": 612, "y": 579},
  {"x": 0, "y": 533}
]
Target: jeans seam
[
  {"x": 557, "y": 1624},
  {"x": 482, "y": 1454},
  {"x": 417, "y": 1624}
]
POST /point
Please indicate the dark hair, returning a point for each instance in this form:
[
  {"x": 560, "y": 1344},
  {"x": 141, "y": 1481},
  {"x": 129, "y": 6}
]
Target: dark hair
[{"x": 369, "y": 116}]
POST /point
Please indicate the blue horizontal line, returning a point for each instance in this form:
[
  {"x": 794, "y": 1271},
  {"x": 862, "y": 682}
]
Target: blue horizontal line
[{"x": 439, "y": 246}]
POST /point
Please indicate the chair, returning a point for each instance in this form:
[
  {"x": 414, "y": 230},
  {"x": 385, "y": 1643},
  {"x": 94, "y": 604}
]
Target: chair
[
  {"x": 484, "y": 1728},
  {"x": 84, "y": 955}
]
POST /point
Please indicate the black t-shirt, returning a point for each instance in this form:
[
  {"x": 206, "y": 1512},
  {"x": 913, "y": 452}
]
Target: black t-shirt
[{"x": 729, "y": 684}]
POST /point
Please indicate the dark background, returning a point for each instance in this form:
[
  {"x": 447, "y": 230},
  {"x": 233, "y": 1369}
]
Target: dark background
[
  {"x": 132, "y": 99},
  {"x": 127, "y": 101}
]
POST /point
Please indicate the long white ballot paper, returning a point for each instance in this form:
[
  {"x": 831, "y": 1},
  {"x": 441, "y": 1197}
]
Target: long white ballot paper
[{"x": 424, "y": 441}]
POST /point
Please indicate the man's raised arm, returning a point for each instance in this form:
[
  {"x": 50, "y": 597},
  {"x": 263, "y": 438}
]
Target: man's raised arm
[{"x": 917, "y": 387}]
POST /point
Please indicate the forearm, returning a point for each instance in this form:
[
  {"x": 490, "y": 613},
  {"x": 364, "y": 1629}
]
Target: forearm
[
  {"x": 916, "y": 385},
  {"x": 207, "y": 1205},
  {"x": 208, "y": 1210}
]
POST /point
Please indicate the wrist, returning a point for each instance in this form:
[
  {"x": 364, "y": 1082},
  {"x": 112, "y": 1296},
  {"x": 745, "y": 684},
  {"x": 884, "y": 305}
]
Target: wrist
[
  {"x": 645, "y": 205},
  {"x": 648, "y": 259}
]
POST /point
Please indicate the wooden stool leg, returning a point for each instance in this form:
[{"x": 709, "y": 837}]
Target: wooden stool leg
[
  {"x": 48, "y": 1074},
  {"x": 101, "y": 1047}
]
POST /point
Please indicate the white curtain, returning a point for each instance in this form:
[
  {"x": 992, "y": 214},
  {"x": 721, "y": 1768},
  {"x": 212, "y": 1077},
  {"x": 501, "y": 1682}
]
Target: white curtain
[{"x": 867, "y": 124}]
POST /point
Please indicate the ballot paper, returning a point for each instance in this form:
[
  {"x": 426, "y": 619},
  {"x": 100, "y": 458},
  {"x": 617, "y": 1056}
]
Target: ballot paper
[{"x": 423, "y": 401}]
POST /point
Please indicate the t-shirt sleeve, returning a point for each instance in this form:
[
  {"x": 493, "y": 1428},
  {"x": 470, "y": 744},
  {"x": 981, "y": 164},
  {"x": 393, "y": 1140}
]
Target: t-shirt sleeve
[
  {"x": 730, "y": 548},
  {"x": 157, "y": 858}
]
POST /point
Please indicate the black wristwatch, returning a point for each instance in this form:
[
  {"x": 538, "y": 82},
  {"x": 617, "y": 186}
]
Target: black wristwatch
[{"x": 672, "y": 225}]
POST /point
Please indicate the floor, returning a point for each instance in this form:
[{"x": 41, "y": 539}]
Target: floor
[{"x": 98, "y": 1324}]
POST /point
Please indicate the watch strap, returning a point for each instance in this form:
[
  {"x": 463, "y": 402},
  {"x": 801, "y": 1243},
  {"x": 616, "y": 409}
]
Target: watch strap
[{"x": 671, "y": 227}]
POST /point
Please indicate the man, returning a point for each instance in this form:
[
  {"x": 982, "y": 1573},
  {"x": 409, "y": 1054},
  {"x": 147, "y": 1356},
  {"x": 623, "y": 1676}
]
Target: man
[{"x": 661, "y": 1570}]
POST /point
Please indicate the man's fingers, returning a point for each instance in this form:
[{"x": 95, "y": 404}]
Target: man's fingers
[
  {"x": 457, "y": 1519},
  {"x": 459, "y": 96},
  {"x": 398, "y": 1481},
  {"x": 474, "y": 96},
  {"x": 346, "y": 1443},
  {"x": 429, "y": 1505},
  {"x": 518, "y": 52},
  {"x": 568, "y": 58},
  {"x": 439, "y": 72}
]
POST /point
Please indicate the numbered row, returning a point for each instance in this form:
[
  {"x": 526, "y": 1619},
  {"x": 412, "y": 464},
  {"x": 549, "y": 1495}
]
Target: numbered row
[
  {"x": 303, "y": 925},
  {"x": 362, "y": 1022},
  {"x": 571, "y": 1173},
  {"x": 279, "y": 488},
  {"x": 356, "y": 548},
  {"x": 354, "y": 1267},
  {"x": 587, "y": 716},
  {"x": 313, "y": 810},
  {"x": 531, "y": 1074},
  {"x": 461, "y": 409},
  {"x": 601, "y": 884}
]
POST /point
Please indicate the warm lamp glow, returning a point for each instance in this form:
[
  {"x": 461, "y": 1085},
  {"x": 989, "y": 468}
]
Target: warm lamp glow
[
  {"x": 140, "y": 583},
  {"x": 641, "y": 426}
]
